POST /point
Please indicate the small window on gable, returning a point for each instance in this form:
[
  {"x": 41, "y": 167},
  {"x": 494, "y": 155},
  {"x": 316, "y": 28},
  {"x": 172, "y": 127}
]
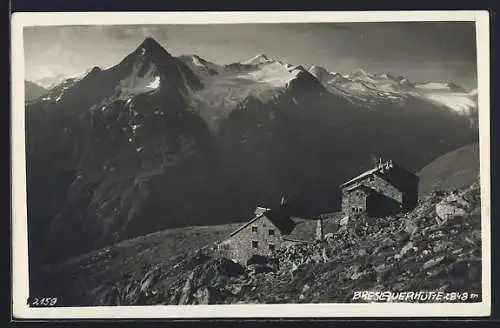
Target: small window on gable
[
  {"x": 255, "y": 244},
  {"x": 271, "y": 232},
  {"x": 254, "y": 229},
  {"x": 272, "y": 247}
]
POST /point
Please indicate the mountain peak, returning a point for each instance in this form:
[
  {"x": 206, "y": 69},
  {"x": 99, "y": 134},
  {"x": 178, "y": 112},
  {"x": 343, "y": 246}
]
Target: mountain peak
[
  {"x": 360, "y": 73},
  {"x": 149, "y": 42},
  {"x": 257, "y": 59},
  {"x": 95, "y": 69},
  {"x": 315, "y": 68},
  {"x": 150, "y": 47},
  {"x": 454, "y": 87},
  {"x": 199, "y": 58},
  {"x": 319, "y": 72}
]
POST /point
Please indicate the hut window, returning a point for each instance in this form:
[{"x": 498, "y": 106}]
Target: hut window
[
  {"x": 255, "y": 244},
  {"x": 271, "y": 232},
  {"x": 271, "y": 247},
  {"x": 254, "y": 229},
  {"x": 353, "y": 209}
]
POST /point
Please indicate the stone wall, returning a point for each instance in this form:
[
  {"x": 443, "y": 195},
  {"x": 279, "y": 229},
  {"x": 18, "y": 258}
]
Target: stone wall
[
  {"x": 354, "y": 201},
  {"x": 240, "y": 248}
]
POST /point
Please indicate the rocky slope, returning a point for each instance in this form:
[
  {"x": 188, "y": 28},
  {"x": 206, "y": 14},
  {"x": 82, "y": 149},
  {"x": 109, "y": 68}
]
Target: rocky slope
[
  {"x": 436, "y": 247},
  {"x": 159, "y": 142}
]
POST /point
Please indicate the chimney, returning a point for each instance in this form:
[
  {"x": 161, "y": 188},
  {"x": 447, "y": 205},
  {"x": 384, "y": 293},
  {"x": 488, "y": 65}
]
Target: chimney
[{"x": 319, "y": 229}]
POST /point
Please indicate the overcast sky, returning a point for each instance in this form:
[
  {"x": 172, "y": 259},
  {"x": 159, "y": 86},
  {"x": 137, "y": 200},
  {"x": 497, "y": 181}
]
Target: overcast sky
[{"x": 428, "y": 51}]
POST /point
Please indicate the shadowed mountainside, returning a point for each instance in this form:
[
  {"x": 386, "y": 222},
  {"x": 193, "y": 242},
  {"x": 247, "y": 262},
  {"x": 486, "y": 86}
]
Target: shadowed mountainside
[
  {"x": 453, "y": 170},
  {"x": 32, "y": 91}
]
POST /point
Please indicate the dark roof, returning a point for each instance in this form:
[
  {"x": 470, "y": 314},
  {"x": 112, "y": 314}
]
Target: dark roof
[
  {"x": 360, "y": 186},
  {"x": 305, "y": 229},
  {"x": 387, "y": 166},
  {"x": 277, "y": 217}
]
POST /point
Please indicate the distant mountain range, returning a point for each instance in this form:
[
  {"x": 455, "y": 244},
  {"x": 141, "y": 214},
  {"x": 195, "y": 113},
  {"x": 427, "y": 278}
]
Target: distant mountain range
[{"x": 159, "y": 141}]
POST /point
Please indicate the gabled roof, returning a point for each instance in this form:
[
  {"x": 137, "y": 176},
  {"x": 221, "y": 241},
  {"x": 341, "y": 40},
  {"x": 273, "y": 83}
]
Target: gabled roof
[
  {"x": 283, "y": 223},
  {"x": 378, "y": 169},
  {"x": 305, "y": 229},
  {"x": 360, "y": 186}
]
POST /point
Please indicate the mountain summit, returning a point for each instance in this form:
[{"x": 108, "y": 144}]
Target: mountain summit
[
  {"x": 257, "y": 59},
  {"x": 153, "y": 50}
]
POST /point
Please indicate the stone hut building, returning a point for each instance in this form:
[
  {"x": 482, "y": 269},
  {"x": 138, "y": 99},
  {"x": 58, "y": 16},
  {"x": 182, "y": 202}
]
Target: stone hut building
[
  {"x": 269, "y": 230},
  {"x": 262, "y": 235},
  {"x": 383, "y": 190}
]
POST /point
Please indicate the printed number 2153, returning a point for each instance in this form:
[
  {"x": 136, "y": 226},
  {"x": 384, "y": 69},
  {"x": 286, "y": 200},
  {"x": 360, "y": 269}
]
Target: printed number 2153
[{"x": 43, "y": 301}]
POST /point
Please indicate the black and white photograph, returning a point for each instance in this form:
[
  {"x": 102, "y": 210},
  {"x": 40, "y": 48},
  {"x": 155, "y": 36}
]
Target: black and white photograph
[{"x": 200, "y": 166}]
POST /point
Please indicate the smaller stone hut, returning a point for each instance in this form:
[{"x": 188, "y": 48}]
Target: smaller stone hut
[
  {"x": 383, "y": 190},
  {"x": 262, "y": 235},
  {"x": 269, "y": 230}
]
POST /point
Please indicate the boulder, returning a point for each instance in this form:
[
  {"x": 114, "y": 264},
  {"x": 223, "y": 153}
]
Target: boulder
[
  {"x": 446, "y": 211},
  {"x": 406, "y": 248},
  {"x": 344, "y": 221},
  {"x": 433, "y": 262}
]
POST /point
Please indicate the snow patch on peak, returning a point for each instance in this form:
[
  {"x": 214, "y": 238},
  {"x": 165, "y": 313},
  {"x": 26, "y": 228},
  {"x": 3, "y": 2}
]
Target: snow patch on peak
[
  {"x": 360, "y": 73},
  {"x": 460, "y": 103},
  {"x": 433, "y": 86},
  {"x": 201, "y": 67},
  {"x": 473, "y": 92},
  {"x": 155, "y": 84},
  {"x": 316, "y": 68},
  {"x": 133, "y": 84},
  {"x": 256, "y": 60},
  {"x": 197, "y": 61},
  {"x": 319, "y": 72}
]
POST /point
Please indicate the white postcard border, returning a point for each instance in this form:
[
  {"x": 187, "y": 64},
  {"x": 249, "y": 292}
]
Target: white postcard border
[{"x": 20, "y": 288}]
